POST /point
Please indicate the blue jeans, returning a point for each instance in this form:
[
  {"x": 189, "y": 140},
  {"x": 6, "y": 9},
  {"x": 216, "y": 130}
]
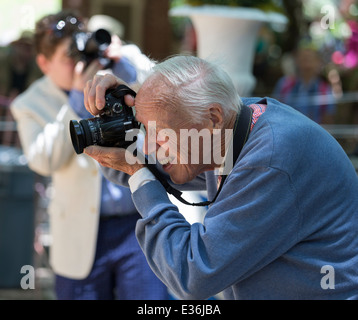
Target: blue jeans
[{"x": 120, "y": 270}]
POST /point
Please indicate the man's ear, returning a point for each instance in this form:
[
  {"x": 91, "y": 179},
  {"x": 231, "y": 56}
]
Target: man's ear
[
  {"x": 216, "y": 116},
  {"x": 43, "y": 63}
]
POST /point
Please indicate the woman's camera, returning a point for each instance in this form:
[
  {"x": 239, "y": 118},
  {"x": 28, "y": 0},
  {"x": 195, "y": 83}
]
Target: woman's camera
[
  {"x": 108, "y": 129},
  {"x": 88, "y": 46}
]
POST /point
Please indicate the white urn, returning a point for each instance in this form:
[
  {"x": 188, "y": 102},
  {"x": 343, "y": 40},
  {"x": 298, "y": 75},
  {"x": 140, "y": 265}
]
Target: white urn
[{"x": 227, "y": 36}]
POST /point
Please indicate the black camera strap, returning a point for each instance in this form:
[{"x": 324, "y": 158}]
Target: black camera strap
[{"x": 241, "y": 134}]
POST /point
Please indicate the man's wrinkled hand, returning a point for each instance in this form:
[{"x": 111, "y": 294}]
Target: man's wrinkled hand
[
  {"x": 115, "y": 158},
  {"x": 95, "y": 91}
]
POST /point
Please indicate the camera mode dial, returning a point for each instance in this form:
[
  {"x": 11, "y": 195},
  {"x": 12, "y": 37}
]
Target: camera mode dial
[{"x": 117, "y": 107}]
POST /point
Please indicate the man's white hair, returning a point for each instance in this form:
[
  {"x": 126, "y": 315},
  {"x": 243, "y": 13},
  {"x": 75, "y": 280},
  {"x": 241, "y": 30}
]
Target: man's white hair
[{"x": 197, "y": 83}]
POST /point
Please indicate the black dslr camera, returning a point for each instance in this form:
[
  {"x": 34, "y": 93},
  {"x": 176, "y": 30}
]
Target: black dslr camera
[
  {"x": 88, "y": 46},
  {"x": 108, "y": 129}
]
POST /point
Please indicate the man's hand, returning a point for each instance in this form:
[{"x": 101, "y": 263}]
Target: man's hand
[
  {"x": 115, "y": 158},
  {"x": 95, "y": 91}
]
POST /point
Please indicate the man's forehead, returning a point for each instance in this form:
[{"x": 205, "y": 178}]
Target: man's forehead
[
  {"x": 148, "y": 110},
  {"x": 155, "y": 114},
  {"x": 150, "y": 96},
  {"x": 155, "y": 83}
]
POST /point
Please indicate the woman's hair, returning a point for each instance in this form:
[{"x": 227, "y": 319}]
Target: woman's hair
[
  {"x": 52, "y": 29},
  {"x": 197, "y": 83}
]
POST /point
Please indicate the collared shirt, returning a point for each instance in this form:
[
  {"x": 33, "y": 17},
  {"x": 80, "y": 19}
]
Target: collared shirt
[{"x": 258, "y": 110}]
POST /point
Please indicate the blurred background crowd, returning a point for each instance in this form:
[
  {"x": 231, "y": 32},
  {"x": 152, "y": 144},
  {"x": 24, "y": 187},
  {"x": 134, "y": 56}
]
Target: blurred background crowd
[
  {"x": 319, "y": 44},
  {"x": 311, "y": 63}
]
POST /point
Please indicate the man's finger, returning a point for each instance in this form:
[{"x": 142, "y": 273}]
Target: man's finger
[
  {"x": 96, "y": 151},
  {"x": 107, "y": 81},
  {"x": 129, "y": 100}
]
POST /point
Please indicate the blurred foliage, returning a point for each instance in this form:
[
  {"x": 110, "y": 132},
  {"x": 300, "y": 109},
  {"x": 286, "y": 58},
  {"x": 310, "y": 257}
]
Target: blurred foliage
[
  {"x": 267, "y": 5},
  {"x": 306, "y": 19},
  {"x": 236, "y": 3}
]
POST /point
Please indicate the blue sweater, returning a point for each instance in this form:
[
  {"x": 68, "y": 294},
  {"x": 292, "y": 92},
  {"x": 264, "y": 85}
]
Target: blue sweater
[{"x": 285, "y": 225}]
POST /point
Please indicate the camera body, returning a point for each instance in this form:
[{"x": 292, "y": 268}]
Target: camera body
[
  {"x": 108, "y": 129},
  {"x": 88, "y": 46}
]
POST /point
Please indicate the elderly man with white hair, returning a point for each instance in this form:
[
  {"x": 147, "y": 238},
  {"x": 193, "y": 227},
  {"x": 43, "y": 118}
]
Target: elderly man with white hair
[{"x": 284, "y": 224}]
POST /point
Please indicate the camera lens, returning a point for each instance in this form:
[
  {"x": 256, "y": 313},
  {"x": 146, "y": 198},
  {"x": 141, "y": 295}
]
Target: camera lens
[
  {"x": 102, "y": 37},
  {"x": 110, "y": 128},
  {"x": 80, "y": 135}
]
